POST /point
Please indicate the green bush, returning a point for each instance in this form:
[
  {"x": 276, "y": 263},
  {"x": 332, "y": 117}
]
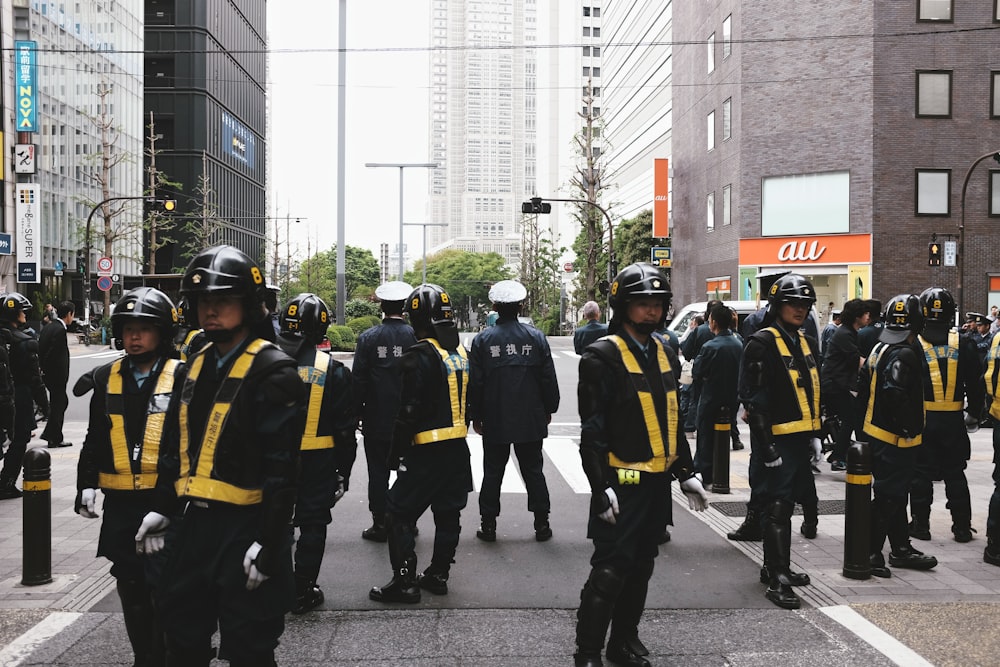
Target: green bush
[
  {"x": 336, "y": 343},
  {"x": 359, "y": 308},
  {"x": 346, "y": 333},
  {"x": 359, "y": 324}
]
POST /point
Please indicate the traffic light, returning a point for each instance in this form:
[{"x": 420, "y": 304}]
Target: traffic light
[
  {"x": 934, "y": 254},
  {"x": 535, "y": 206},
  {"x": 168, "y": 205},
  {"x": 81, "y": 264}
]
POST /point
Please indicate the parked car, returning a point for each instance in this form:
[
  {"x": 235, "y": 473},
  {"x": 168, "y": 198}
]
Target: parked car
[
  {"x": 525, "y": 320},
  {"x": 681, "y": 322}
]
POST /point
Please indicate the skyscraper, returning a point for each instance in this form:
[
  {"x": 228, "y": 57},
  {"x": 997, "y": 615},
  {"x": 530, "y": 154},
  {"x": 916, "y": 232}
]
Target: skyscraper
[{"x": 482, "y": 117}]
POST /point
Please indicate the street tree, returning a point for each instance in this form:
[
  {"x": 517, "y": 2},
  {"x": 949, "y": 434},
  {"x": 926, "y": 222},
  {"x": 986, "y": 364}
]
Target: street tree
[
  {"x": 634, "y": 241},
  {"x": 465, "y": 276},
  {"x": 318, "y": 274},
  {"x": 201, "y": 229},
  {"x": 539, "y": 270},
  {"x": 159, "y": 223}
]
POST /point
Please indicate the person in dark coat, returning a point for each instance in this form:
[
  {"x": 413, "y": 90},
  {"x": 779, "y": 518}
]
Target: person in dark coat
[
  {"x": 840, "y": 381},
  {"x": 377, "y": 385},
  {"x": 690, "y": 347},
  {"x": 53, "y": 360},
  {"x": 513, "y": 393},
  {"x": 868, "y": 335},
  {"x": 119, "y": 456},
  {"x": 590, "y": 331},
  {"x": 716, "y": 369}
]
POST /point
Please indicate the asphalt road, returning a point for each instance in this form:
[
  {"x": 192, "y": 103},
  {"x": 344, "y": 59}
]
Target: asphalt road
[{"x": 513, "y": 602}]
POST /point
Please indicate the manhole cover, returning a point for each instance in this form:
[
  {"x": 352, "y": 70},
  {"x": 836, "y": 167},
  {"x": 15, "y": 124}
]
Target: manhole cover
[{"x": 740, "y": 509}]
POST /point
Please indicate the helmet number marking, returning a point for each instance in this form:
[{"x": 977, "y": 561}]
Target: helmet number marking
[{"x": 258, "y": 278}]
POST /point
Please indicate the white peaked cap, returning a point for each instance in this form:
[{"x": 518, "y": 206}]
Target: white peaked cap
[
  {"x": 508, "y": 291},
  {"x": 394, "y": 290}
]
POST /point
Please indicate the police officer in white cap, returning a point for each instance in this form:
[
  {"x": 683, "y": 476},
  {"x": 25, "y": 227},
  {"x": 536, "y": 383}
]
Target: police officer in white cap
[
  {"x": 513, "y": 393},
  {"x": 376, "y": 390}
]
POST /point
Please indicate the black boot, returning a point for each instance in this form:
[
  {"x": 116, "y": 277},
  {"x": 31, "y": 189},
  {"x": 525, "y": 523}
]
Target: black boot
[
  {"x": 777, "y": 545},
  {"x": 919, "y": 528},
  {"x": 488, "y": 529},
  {"x": 308, "y": 595},
  {"x": 880, "y": 517},
  {"x": 8, "y": 490},
  {"x": 376, "y": 532},
  {"x": 903, "y": 554},
  {"x": 403, "y": 585},
  {"x": 543, "y": 531},
  {"x": 991, "y": 554},
  {"x": 189, "y": 658},
  {"x": 434, "y": 579},
  {"x": 597, "y": 602},
  {"x": 810, "y": 520},
  {"x": 624, "y": 647},
  {"x": 961, "y": 524},
  {"x": 749, "y": 530}
]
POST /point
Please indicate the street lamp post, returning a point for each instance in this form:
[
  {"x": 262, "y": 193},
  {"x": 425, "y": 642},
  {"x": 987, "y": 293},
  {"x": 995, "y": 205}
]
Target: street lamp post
[
  {"x": 612, "y": 262},
  {"x": 86, "y": 250},
  {"x": 401, "y": 166},
  {"x": 961, "y": 230},
  {"x": 425, "y": 225}
]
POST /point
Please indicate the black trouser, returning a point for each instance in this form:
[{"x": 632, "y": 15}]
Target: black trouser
[
  {"x": 317, "y": 483},
  {"x": 993, "y": 520},
  {"x": 840, "y": 403},
  {"x": 24, "y": 422},
  {"x": 377, "y": 455},
  {"x": 942, "y": 456},
  {"x": 892, "y": 469},
  {"x": 785, "y": 484},
  {"x": 530, "y": 461},
  {"x": 58, "y": 402}
]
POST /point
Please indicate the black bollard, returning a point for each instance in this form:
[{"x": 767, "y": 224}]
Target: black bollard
[
  {"x": 37, "y": 518},
  {"x": 720, "y": 452},
  {"x": 858, "y": 514}
]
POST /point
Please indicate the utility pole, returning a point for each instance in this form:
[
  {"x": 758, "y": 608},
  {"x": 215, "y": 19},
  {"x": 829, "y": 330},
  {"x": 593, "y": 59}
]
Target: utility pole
[{"x": 153, "y": 220}]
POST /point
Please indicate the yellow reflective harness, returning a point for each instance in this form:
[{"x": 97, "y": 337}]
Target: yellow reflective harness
[
  {"x": 944, "y": 389},
  {"x": 869, "y": 427},
  {"x": 184, "y": 349},
  {"x": 810, "y": 412},
  {"x": 664, "y": 447},
  {"x": 455, "y": 362},
  {"x": 315, "y": 378},
  {"x": 123, "y": 479},
  {"x": 201, "y": 484},
  {"x": 992, "y": 359}
]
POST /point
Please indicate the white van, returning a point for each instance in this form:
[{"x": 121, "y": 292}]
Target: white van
[{"x": 681, "y": 323}]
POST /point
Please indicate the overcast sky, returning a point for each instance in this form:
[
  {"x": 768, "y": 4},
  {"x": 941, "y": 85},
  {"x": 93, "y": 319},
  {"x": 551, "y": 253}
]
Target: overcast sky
[{"x": 386, "y": 119}]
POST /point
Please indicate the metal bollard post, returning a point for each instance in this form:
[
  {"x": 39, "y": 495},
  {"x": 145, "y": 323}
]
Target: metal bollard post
[
  {"x": 858, "y": 514},
  {"x": 720, "y": 452},
  {"x": 37, "y": 518}
]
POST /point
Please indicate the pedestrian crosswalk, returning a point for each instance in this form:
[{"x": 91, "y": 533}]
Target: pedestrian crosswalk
[{"x": 562, "y": 460}]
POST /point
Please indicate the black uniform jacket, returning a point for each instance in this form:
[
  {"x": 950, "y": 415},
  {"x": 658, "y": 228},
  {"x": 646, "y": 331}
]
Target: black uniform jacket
[{"x": 376, "y": 375}]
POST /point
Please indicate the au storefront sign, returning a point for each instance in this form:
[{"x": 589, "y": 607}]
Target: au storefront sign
[{"x": 807, "y": 250}]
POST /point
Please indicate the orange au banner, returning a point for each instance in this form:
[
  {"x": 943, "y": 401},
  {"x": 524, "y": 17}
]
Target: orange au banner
[{"x": 661, "y": 170}]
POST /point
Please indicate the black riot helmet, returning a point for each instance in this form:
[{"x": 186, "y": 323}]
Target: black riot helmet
[
  {"x": 306, "y": 316},
  {"x": 225, "y": 271},
  {"x": 635, "y": 281},
  {"x": 146, "y": 304},
  {"x": 903, "y": 316},
  {"x": 937, "y": 305},
  {"x": 789, "y": 288},
  {"x": 12, "y": 304},
  {"x": 431, "y": 315}
]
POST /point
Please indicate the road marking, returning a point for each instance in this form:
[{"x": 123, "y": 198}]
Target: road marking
[
  {"x": 570, "y": 354},
  {"x": 880, "y": 640},
  {"x": 106, "y": 354},
  {"x": 565, "y": 456},
  {"x": 21, "y": 648}
]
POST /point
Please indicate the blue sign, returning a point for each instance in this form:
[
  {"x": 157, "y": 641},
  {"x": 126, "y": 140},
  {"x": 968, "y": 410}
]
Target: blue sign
[
  {"x": 238, "y": 140},
  {"x": 4, "y": 244},
  {"x": 24, "y": 84},
  {"x": 104, "y": 283},
  {"x": 27, "y": 272},
  {"x": 60, "y": 266}
]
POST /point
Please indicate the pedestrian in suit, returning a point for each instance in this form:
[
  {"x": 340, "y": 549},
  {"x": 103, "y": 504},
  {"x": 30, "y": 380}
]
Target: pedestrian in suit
[
  {"x": 53, "y": 359},
  {"x": 590, "y": 331}
]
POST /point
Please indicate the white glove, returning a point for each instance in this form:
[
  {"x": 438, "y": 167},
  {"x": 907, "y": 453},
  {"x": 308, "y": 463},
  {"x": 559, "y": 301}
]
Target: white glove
[
  {"x": 88, "y": 500},
  {"x": 149, "y": 539},
  {"x": 695, "y": 492},
  {"x": 817, "y": 450},
  {"x": 254, "y": 576},
  {"x": 612, "y": 511},
  {"x": 773, "y": 464}
]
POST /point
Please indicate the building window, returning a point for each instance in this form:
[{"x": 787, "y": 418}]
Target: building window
[
  {"x": 727, "y": 205},
  {"x": 933, "y": 94},
  {"x": 597, "y": 12},
  {"x": 597, "y": 32},
  {"x": 995, "y": 93},
  {"x": 727, "y": 119},
  {"x": 996, "y": 11},
  {"x": 597, "y": 91},
  {"x": 597, "y": 72},
  {"x": 727, "y": 36},
  {"x": 586, "y": 72},
  {"x": 711, "y": 53},
  {"x": 710, "y": 127},
  {"x": 586, "y": 51},
  {"x": 586, "y": 31},
  {"x": 934, "y": 10},
  {"x": 597, "y": 52},
  {"x": 933, "y": 192},
  {"x": 994, "y": 193},
  {"x": 710, "y": 211},
  {"x": 586, "y": 11}
]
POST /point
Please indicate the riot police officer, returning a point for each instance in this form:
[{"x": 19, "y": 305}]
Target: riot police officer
[
  {"x": 188, "y": 339},
  {"x": 429, "y": 450},
  {"x": 231, "y": 470},
  {"x": 125, "y": 433},
  {"x": 328, "y": 442},
  {"x": 951, "y": 375},
  {"x": 780, "y": 387},
  {"x": 376, "y": 393},
  {"x": 892, "y": 389},
  {"x": 631, "y": 444},
  {"x": 991, "y": 553},
  {"x": 29, "y": 389},
  {"x": 513, "y": 393}
]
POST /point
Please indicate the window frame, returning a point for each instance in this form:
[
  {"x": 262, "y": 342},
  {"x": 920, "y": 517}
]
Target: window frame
[
  {"x": 951, "y": 13},
  {"x": 727, "y": 36},
  {"x": 727, "y": 119},
  {"x": 710, "y": 211},
  {"x": 994, "y": 191},
  {"x": 710, "y": 53},
  {"x": 916, "y": 86},
  {"x": 916, "y": 193},
  {"x": 995, "y": 92},
  {"x": 727, "y": 205},
  {"x": 710, "y": 131}
]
